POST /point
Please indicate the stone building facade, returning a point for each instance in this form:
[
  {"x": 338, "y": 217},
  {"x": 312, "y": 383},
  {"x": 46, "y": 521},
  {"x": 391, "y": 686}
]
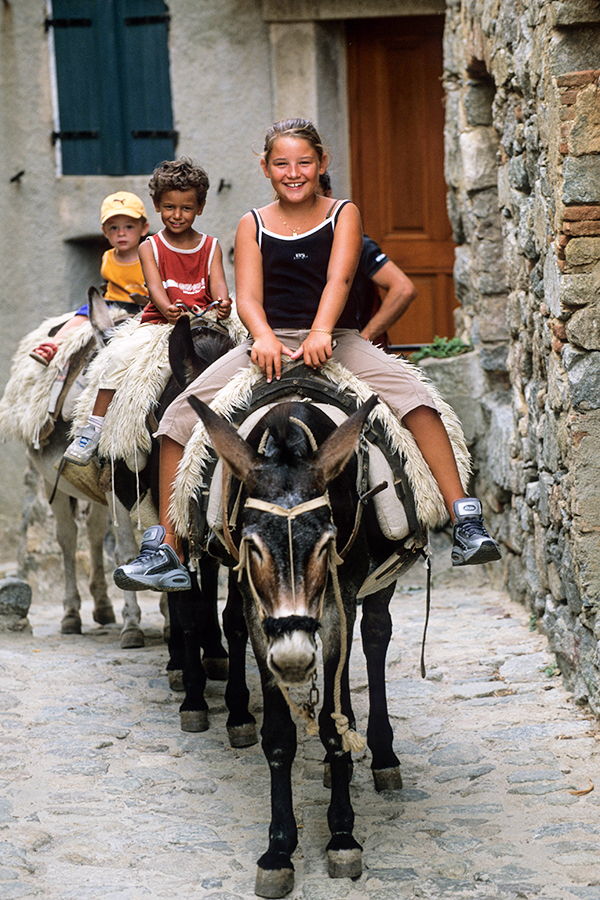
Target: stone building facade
[{"x": 523, "y": 174}]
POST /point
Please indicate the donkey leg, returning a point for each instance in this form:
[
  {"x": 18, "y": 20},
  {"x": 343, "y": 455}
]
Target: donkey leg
[
  {"x": 126, "y": 549},
  {"x": 275, "y": 870},
  {"x": 241, "y": 724},
  {"x": 185, "y": 609},
  {"x": 344, "y": 853},
  {"x": 214, "y": 655},
  {"x": 175, "y": 643},
  {"x": 64, "y": 508},
  {"x": 95, "y": 522},
  {"x": 376, "y": 631}
]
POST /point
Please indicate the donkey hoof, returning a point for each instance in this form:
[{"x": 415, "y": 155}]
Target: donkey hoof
[
  {"x": 104, "y": 615},
  {"x": 132, "y": 638},
  {"x": 216, "y": 668},
  {"x": 242, "y": 735},
  {"x": 276, "y": 881},
  {"x": 175, "y": 677},
  {"x": 387, "y": 779},
  {"x": 344, "y": 856},
  {"x": 344, "y": 863},
  {"x": 194, "y": 720},
  {"x": 71, "y": 623}
]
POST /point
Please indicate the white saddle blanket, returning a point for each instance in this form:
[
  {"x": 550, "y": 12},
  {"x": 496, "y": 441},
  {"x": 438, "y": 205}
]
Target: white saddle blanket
[
  {"x": 125, "y": 430},
  {"x": 430, "y": 506},
  {"x": 26, "y": 405},
  {"x": 390, "y": 511}
]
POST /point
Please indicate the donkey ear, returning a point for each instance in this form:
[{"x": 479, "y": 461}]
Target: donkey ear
[
  {"x": 335, "y": 452},
  {"x": 181, "y": 352},
  {"x": 99, "y": 316},
  {"x": 234, "y": 450}
]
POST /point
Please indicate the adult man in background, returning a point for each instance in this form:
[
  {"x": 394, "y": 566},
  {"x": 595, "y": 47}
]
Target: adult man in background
[{"x": 375, "y": 272}]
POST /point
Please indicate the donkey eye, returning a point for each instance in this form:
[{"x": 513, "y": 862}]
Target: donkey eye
[
  {"x": 256, "y": 552},
  {"x": 323, "y": 547}
]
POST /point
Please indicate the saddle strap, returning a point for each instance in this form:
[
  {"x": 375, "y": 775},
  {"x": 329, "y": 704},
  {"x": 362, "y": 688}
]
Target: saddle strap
[{"x": 227, "y": 536}]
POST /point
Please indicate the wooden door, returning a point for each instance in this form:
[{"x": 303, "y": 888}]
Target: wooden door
[{"x": 397, "y": 151}]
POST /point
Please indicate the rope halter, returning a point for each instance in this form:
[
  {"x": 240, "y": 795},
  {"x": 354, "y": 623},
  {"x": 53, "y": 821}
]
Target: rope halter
[{"x": 351, "y": 740}]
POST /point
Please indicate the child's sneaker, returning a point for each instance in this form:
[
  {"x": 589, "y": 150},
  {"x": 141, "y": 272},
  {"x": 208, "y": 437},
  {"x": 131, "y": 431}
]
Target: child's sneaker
[
  {"x": 83, "y": 447},
  {"x": 472, "y": 543},
  {"x": 157, "y": 568}
]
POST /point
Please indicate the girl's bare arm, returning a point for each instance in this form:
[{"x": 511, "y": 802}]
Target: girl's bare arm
[
  {"x": 345, "y": 254},
  {"x": 267, "y": 348}
]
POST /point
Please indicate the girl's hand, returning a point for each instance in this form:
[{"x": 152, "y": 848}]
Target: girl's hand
[
  {"x": 316, "y": 349},
  {"x": 224, "y": 308},
  {"x": 266, "y": 353}
]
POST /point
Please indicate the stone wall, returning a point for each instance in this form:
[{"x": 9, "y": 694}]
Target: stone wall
[{"x": 523, "y": 171}]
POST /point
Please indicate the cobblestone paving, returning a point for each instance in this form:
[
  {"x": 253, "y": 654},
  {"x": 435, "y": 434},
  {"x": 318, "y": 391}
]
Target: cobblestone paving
[{"x": 102, "y": 797}]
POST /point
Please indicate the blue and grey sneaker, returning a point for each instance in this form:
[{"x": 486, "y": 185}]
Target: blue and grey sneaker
[
  {"x": 84, "y": 446},
  {"x": 472, "y": 543},
  {"x": 157, "y": 568}
]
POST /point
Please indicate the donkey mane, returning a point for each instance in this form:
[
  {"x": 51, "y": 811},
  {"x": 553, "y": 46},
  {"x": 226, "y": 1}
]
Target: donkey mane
[{"x": 287, "y": 442}]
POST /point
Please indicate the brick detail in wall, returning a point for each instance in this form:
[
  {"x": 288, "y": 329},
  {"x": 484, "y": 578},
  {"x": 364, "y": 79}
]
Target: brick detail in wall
[
  {"x": 578, "y": 221},
  {"x": 569, "y": 86}
]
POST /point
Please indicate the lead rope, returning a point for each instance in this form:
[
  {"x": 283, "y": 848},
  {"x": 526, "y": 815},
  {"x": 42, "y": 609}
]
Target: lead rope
[
  {"x": 351, "y": 739},
  {"x": 112, "y": 477},
  {"x": 427, "y": 608}
]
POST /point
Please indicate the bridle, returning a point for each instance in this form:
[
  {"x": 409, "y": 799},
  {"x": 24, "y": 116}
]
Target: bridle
[
  {"x": 290, "y": 514},
  {"x": 351, "y": 740}
]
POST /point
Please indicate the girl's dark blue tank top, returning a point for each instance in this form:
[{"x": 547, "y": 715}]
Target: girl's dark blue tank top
[{"x": 295, "y": 274}]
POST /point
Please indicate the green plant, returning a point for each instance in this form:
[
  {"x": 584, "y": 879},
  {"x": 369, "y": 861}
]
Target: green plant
[
  {"x": 550, "y": 671},
  {"x": 441, "y": 348}
]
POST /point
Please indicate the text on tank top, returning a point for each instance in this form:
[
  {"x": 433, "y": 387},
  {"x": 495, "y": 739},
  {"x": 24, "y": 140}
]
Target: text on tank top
[{"x": 295, "y": 273}]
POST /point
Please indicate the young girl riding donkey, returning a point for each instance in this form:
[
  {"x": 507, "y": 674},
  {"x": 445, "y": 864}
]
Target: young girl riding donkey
[
  {"x": 183, "y": 270},
  {"x": 295, "y": 260}
]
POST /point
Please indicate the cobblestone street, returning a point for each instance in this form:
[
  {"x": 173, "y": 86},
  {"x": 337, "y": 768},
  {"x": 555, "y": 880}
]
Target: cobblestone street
[{"x": 104, "y": 798}]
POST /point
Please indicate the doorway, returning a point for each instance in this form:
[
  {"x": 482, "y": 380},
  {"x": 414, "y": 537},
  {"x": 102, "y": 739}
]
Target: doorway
[{"x": 396, "y": 109}]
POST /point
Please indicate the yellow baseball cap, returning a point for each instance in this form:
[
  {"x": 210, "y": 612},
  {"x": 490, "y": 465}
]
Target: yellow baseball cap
[{"x": 122, "y": 204}]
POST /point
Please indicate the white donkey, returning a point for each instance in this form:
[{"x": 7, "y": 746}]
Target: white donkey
[{"x": 45, "y": 431}]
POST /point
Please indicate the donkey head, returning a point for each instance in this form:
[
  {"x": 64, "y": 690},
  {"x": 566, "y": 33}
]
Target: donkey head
[
  {"x": 192, "y": 349},
  {"x": 103, "y": 324},
  {"x": 287, "y": 528}
]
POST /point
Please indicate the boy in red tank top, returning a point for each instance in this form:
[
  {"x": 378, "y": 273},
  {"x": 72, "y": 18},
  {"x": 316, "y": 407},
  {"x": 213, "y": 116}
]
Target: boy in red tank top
[{"x": 182, "y": 268}]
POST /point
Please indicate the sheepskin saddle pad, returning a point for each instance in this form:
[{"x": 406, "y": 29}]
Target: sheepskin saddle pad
[
  {"x": 409, "y": 504},
  {"x": 35, "y": 395},
  {"x": 125, "y": 432}
]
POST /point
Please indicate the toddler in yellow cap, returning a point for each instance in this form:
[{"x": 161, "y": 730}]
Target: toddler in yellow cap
[{"x": 124, "y": 223}]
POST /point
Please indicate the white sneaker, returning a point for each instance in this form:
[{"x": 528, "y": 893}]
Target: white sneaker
[
  {"x": 156, "y": 568},
  {"x": 472, "y": 544},
  {"x": 83, "y": 447}
]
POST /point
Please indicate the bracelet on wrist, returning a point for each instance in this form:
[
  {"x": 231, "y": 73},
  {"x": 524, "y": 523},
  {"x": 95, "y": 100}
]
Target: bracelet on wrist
[{"x": 322, "y": 331}]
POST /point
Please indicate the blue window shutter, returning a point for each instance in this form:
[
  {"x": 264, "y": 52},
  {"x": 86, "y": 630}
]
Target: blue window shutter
[
  {"x": 77, "y": 68},
  {"x": 113, "y": 82},
  {"x": 147, "y": 107}
]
